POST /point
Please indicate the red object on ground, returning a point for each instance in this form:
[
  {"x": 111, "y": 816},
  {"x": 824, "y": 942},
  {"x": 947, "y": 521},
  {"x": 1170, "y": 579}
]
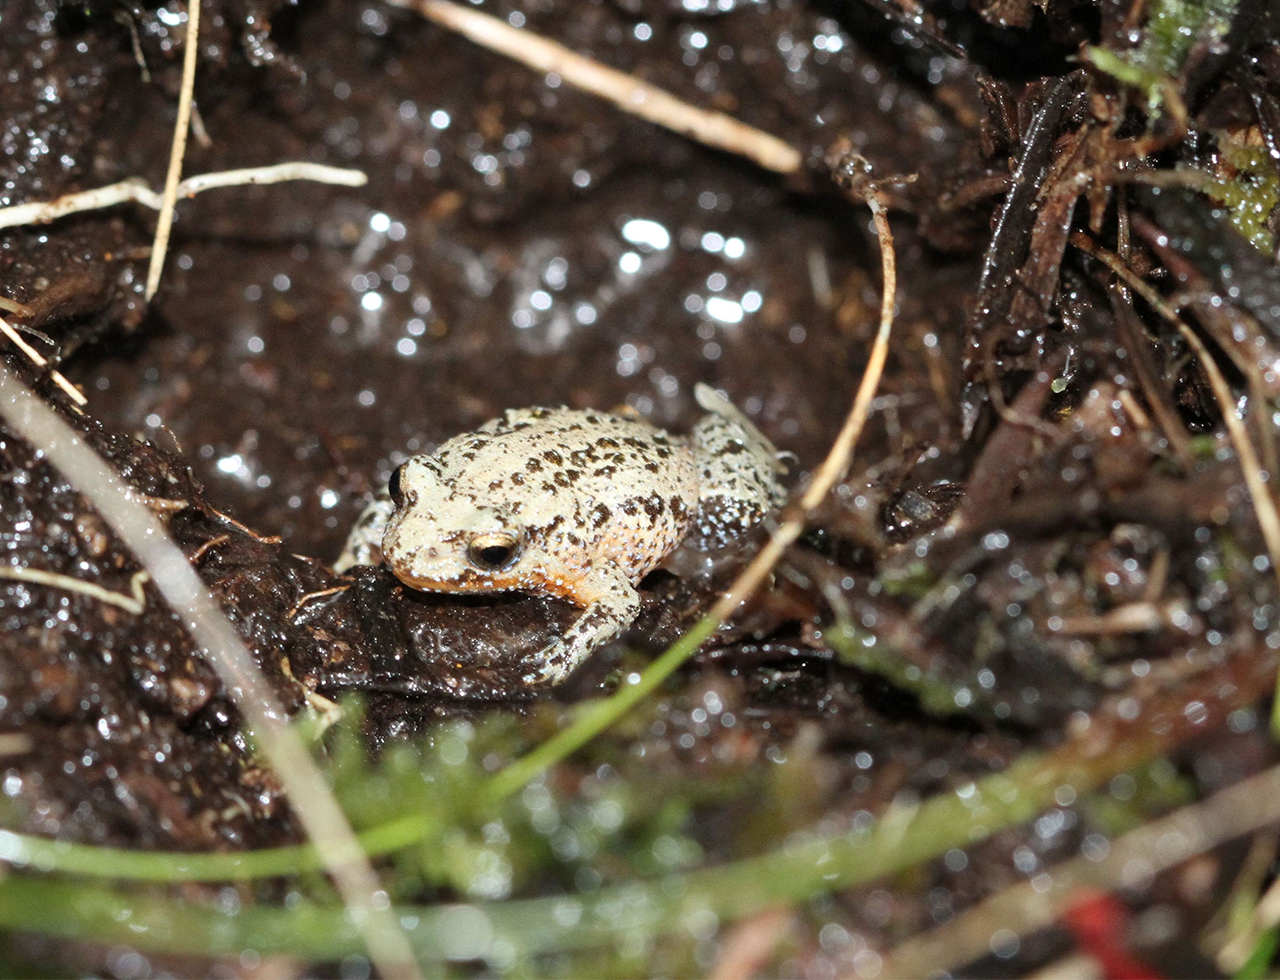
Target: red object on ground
[{"x": 1098, "y": 922}]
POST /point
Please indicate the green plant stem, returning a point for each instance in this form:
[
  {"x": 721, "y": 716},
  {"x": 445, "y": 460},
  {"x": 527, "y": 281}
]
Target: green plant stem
[
  {"x": 25, "y": 850},
  {"x": 936, "y": 693},
  {"x": 43, "y": 854},
  {"x": 1258, "y": 965},
  {"x": 905, "y": 836},
  {"x": 599, "y": 715}
]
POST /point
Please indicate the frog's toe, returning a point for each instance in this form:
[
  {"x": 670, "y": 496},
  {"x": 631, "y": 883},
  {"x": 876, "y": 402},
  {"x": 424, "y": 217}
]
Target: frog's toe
[{"x": 552, "y": 664}]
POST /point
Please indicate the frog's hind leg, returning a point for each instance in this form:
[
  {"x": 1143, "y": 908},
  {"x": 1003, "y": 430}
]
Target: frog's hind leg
[
  {"x": 364, "y": 543},
  {"x": 738, "y": 470}
]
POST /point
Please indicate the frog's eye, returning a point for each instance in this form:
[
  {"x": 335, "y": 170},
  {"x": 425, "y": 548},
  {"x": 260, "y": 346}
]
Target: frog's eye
[
  {"x": 493, "y": 552},
  {"x": 393, "y": 486}
]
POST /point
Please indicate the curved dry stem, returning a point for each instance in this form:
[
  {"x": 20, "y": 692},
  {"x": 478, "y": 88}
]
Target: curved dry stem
[
  {"x": 146, "y": 537},
  {"x": 836, "y": 464},
  {"x": 42, "y": 212},
  {"x": 133, "y": 603},
  {"x": 600, "y": 715}
]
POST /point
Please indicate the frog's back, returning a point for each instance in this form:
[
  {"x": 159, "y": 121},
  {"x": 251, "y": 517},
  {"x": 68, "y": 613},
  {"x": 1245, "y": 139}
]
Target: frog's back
[
  {"x": 575, "y": 443},
  {"x": 601, "y": 482}
]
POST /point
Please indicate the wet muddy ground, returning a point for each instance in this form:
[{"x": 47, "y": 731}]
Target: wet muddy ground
[{"x": 1045, "y": 521}]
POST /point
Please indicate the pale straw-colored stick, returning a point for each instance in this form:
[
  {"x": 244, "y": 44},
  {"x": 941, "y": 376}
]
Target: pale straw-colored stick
[{"x": 628, "y": 93}]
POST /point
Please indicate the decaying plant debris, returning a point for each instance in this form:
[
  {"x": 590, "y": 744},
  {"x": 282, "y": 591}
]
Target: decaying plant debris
[{"x": 1039, "y": 612}]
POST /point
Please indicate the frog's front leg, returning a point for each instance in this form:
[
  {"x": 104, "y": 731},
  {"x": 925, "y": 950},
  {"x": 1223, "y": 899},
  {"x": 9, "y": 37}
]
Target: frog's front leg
[
  {"x": 610, "y": 603},
  {"x": 364, "y": 543}
]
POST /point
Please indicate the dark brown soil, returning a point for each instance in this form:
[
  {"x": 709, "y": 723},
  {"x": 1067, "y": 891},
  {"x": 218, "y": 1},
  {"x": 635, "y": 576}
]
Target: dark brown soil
[{"x": 1043, "y": 453}]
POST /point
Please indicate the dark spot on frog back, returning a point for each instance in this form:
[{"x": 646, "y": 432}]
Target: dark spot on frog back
[
  {"x": 679, "y": 509},
  {"x": 542, "y": 533},
  {"x": 654, "y": 506}
]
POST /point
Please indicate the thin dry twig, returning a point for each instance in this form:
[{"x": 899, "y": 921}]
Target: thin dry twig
[
  {"x": 836, "y": 465},
  {"x": 311, "y": 597},
  {"x": 628, "y": 93},
  {"x": 133, "y": 603},
  {"x": 1133, "y": 617},
  {"x": 36, "y": 358},
  {"x": 16, "y": 743},
  {"x": 135, "y": 189},
  {"x": 216, "y": 542},
  {"x": 164, "y": 224},
  {"x": 14, "y": 307},
  {"x": 310, "y": 796},
  {"x": 1132, "y": 859},
  {"x": 1264, "y": 505},
  {"x": 274, "y": 174}
]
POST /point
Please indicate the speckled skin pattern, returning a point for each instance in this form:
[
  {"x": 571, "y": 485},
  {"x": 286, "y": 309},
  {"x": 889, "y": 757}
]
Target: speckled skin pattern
[{"x": 576, "y": 504}]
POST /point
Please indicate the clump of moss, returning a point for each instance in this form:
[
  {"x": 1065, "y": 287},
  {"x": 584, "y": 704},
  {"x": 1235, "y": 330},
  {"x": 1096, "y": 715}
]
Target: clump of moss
[
  {"x": 472, "y": 846},
  {"x": 1247, "y": 184},
  {"x": 1173, "y": 29}
]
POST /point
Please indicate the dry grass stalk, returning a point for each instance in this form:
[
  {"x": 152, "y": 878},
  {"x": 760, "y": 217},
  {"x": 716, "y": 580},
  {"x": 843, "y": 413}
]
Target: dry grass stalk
[
  {"x": 36, "y": 358},
  {"x": 1138, "y": 855},
  {"x": 628, "y": 93},
  {"x": 135, "y": 189},
  {"x": 1264, "y": 505},
  {"x": 308, "y": 792},
  {"x": 133, "y": 603},
  {"x": 178, "y": 151},
  {"x": 836, "y": 464}
]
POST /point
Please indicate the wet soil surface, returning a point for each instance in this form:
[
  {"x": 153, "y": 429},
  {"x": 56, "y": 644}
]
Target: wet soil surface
[{"x": 1043, "y": 517}]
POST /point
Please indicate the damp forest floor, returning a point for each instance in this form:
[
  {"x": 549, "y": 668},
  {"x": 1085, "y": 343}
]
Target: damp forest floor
[{"x": 1002, "y": 709}]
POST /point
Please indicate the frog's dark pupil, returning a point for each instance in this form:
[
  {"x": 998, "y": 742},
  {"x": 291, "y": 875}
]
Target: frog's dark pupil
[
  {"x": 393, "y": 487},
  {"x": 494, "y": 556}
]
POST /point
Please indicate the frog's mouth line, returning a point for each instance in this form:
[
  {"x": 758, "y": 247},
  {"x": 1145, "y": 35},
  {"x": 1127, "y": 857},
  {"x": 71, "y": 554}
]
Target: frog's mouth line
[
  {"x": 468, "y": 583},
  {"x": 473, "y": 584}
]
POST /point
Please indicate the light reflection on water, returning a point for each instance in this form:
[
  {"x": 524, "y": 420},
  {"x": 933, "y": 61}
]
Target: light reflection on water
[{"x": 553, "y": 298}]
